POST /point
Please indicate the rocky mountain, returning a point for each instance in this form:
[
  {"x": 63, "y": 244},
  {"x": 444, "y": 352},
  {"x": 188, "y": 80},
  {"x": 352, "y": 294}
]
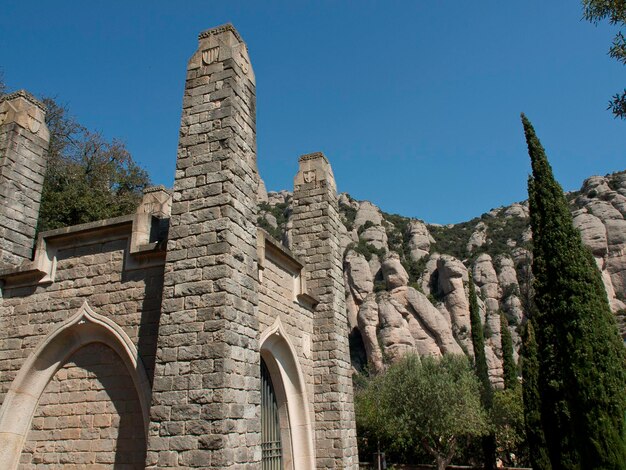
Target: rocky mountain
[{"x": 407, "y": 281}]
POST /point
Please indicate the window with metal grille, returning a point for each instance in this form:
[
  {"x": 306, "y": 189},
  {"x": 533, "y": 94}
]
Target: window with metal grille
[{"x": 271, "y": 447}]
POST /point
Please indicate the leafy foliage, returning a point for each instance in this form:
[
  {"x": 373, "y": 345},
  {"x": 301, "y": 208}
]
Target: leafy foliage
[
  {"x": 507, "y": 417},
  {"x": 452, "y": 239},
  {"x": 615, "y": 11},
  {"x": 430, "y": 405},
  {"x": 508, "y": 362},
  {"x": 280, "y": 211},
  {"x": 349, "y": 215},
  {"x": 87, "y": 178},
  {"x": 367, "y": 249},
  {"x": 482, "y": 371},
  {"x": 539, "y": 458},
  {"x": 582, "y": 360}
]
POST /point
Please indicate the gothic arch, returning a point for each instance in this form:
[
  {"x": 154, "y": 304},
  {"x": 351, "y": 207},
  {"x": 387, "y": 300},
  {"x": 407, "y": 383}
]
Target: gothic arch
[
  {"x": 22, "y": 398},
  {"x": 282, "y": 363}
]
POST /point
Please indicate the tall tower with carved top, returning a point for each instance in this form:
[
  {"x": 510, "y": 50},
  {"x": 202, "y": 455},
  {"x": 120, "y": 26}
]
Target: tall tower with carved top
[
  {"x": 24, "y": 140},
  {"x": 206, "y": 395},
  {"x": 316, "y": 230}
]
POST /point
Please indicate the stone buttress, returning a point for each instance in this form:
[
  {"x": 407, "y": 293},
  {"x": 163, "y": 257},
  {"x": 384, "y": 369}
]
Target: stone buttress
[
  {"x": 316, "y": 229},
  {"x": 24, "y": 140},
  {"x": 205, "y": 408}
]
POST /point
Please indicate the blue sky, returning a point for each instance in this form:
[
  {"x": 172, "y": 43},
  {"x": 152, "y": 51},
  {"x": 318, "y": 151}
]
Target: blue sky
[{"x": 415, "y": 103}]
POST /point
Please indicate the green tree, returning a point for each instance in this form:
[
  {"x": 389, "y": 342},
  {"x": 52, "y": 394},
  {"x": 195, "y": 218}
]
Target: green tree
[
  {"x": 615, "y": 11},
  {"x": 507, "y": 417},
  {"x": 538, "y": 450},
  {"x": 88, "y": 178},
  {"x": 582, "y": 360},
  {"x": 482, "y": 373},
  {"x": 508, "y": 362},
  {"x": 430, "y": 404}
]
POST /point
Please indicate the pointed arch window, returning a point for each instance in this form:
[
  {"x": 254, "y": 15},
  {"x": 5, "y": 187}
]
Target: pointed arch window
[{"x": 271, "y": 444}]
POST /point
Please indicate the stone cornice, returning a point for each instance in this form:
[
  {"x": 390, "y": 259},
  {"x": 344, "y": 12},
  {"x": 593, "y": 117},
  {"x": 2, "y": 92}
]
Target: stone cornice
[
  {"x": 26, "y": 95},
  {"x": 220, "y": 29}
]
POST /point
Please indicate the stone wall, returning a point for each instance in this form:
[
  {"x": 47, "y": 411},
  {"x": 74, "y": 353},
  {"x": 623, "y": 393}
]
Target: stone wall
[
  {"x": 88, "y": 416},
  {"x": 278, "y": 299},
  {"x": 89, "y": 267}
]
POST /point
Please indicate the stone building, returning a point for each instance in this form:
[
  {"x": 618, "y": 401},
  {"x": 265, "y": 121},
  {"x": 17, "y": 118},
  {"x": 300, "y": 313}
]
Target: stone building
[{"x": 180, "y": 336}]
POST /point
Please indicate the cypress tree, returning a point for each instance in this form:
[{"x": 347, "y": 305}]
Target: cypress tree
[
  {"x": 582, "y": 360},
  {"x": 532, "y": 401},
  {"x": 508, "y": 362},
  {"x": 482, "y": 372}
]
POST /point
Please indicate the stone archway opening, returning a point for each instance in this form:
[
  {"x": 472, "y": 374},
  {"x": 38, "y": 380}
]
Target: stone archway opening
[
  {"x": 292, "y": 406},
  {"x": 84, "y": 347}
]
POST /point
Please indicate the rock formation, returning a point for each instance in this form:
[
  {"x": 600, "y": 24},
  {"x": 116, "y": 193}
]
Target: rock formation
[{"x": 406, "y": 281}]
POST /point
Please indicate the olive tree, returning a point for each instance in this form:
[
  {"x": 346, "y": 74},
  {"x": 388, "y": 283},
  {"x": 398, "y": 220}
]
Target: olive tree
[{"x": 429, "y": 404}]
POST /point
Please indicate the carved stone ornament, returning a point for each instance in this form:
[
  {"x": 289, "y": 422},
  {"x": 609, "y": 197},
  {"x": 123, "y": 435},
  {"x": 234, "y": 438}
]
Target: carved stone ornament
[
  {"x": 309, "y": 176},
  {"x": 210, "y": 55},
  {"x": 34, "y": 124}
]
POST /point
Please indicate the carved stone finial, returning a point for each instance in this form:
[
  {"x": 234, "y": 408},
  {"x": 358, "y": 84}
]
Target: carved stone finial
[
  {"x": 314, "y": 172},
  {"x": 157, "y": 200},
  {"x": 25, "y": 110}
]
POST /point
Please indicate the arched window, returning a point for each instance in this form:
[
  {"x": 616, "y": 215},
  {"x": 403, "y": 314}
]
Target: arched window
[
  {"x": 271, "y": 445},
  {"x": 284, "y": 407}
]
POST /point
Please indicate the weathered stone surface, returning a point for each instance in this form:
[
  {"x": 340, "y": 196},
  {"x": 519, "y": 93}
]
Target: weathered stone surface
[
  {"x": 359, "y": 276},
  {"x": 419, "y": 239},
  {"x": 597, "y": 184},
  {"x": 616, "y": 259},
  {"x": 485, "y": 277},
  {"x": 393, "y": 272},
  {"x": 603, "y": 210},
  {"x": 367, "y": 212},
  {"x": 394, "y": 333},
  {"x": 278, "y": 197},
  {"x": 426, "y": 279},
  {"x": 262, "y": 192},
  {"x": 375, "y": 236},
  {"x": 478, "y": 237},
  {"x": 592, "y": 231},
  {"x": 434, "y": 323},
  {"x": 451, "y": 278},
  {"x": 516, "y": 210},
  {"x": 374, "y": 264},
  {"x": 494, "y": 366},
  {"x": 506, "y": 271},
  {"x": 368, "y": 322}
]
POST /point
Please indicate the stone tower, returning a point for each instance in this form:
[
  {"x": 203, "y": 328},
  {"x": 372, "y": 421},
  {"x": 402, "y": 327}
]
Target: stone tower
[
  {"x": 205, "y": 407},
  {"x": 24, "y": 140},
  {"x": 316, "y": 230}
]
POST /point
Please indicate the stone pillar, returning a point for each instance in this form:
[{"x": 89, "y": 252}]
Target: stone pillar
[
  {"x": 24, "y": 140},
  {"x": 316, "y": 229},
  {"x": 205, "y": 410}
]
